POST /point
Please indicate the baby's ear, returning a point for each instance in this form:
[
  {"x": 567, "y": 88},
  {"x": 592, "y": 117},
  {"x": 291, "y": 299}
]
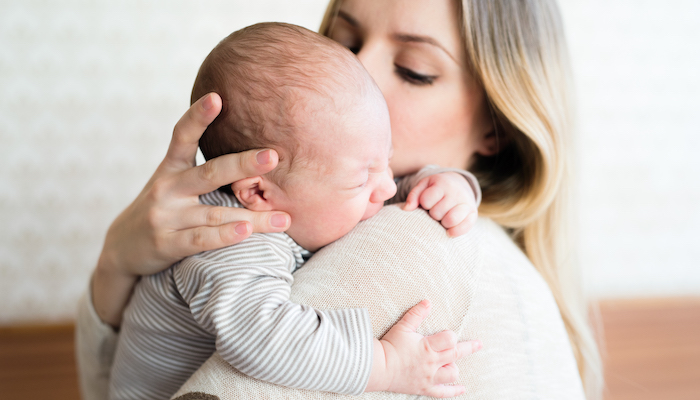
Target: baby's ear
[{"x": 251, "y": 193}]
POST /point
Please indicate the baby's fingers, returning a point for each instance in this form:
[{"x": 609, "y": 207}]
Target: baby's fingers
[
  {"x": 431, "y": 197},
  {"x": 446, "y": 374},
  {"x": 461, "y": 350},
  {"x": 412, "y": 200},
  {"x": 439, "y": 210},
  {"x": 455, "y": 215},
  {"x": 463, "y": 227},
  {"x": 415, "y": 316},
  {"x": 442, "y": 341},
  {"x": 443, "y": 391}
]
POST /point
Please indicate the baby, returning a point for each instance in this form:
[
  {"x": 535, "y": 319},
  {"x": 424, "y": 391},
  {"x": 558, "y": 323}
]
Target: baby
[{"x": 286, "y": 88}]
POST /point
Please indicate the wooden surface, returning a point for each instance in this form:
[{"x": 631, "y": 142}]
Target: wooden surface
[
  {"x": 652, "y": 352},
  {"x": 653, "y": 349},
  {"x": 38, "y": 363}
]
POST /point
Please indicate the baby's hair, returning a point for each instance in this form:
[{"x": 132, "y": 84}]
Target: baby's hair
[{"x": 269, "y": 76}]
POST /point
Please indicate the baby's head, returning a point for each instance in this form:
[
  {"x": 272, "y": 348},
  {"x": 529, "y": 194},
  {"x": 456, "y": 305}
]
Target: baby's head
[{"x": 307, "y": 97}]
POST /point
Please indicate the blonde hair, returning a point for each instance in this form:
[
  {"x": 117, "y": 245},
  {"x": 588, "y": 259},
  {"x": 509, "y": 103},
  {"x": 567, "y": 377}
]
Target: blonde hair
[{"x": 516, "y": 49}]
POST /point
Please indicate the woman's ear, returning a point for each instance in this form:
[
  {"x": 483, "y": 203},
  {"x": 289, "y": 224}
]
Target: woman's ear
[
  {"x": 251, "y": 193},
  {"x": 492, "y": 143}
]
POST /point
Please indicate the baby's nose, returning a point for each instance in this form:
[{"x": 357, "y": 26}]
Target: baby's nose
[{"x": 385, "y": 190}]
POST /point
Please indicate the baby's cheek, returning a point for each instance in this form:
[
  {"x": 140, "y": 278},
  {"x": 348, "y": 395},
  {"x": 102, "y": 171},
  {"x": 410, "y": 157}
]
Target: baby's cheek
[{"x": 371, "y": 210}]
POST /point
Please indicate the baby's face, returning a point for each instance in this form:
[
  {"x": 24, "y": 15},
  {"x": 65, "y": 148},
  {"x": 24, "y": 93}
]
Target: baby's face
[{"x": 348, "y": 179}]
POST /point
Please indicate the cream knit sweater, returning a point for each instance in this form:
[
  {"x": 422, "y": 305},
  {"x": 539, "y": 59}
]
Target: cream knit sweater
[{"x": 480, "y": 285}]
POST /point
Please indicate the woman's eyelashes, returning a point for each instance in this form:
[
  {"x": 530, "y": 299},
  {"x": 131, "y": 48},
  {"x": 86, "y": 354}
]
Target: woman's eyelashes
[
  {"x": 354, "y": 44},
  {"x": 414, "y": 77}
]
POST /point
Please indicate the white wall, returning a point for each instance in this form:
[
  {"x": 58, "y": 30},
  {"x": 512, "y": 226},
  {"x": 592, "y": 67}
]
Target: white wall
[
  {"x": 637, "y": 65},
  {"x": 90, "y": 90}
]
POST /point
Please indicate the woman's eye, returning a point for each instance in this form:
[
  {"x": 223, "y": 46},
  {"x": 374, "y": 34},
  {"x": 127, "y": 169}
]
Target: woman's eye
[
  {"x": 346, "y": 39},
  {"x": 352, "y": 46},
  {"x": 414, "y": 77}
]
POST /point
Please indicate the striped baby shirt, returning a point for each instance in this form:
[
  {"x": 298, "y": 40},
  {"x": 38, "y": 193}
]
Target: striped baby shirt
[{"x": 235, "y": 301}]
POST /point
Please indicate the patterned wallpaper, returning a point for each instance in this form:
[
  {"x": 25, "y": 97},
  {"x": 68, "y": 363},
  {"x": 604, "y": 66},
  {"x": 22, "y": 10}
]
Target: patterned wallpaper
[
  {"x": 90, "y": 91},
  {"x": 89, "y": 94}
]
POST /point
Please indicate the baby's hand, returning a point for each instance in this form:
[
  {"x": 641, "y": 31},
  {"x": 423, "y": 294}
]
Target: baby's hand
[
  {"x": 417, "y": 364},
  {"x": 448, "y": 198}
]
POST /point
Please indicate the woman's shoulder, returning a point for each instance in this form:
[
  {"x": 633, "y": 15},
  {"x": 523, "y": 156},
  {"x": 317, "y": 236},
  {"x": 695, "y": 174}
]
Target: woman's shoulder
[
  {"x": 396, "y": 259},
  {"x": 483, "y": 286},
  {"x": 480, "y": 285},
  {"x": 414, "y": 244},
  {"x": 411, "y": 235}
]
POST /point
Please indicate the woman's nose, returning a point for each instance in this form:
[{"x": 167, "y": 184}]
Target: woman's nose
[{"x": 373, "y": 58}]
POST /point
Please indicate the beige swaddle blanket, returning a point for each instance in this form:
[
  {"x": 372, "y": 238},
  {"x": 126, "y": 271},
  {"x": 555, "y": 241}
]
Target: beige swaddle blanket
[{"x": 480, "y": 285}]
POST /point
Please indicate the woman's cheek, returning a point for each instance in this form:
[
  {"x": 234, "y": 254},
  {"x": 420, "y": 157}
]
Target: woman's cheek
[{"x": 410, "y": 132}]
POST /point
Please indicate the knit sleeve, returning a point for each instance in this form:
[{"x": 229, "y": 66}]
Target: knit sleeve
[
  {"x": 95, "y": 344},
  {"x": 241, "y": 295},
  {"x": 408, "y": 182}
]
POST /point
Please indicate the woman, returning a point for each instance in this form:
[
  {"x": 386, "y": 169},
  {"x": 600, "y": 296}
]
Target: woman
[{"x": 476, "y": 84}]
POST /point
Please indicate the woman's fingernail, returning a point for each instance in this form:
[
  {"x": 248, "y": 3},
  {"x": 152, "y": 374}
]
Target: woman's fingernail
[
  {"x": 279, "y": 220},
  {"x": 263, "y": 157},
  {"x": 208, "y": 103},
  {"x": 242, "y": 228}
]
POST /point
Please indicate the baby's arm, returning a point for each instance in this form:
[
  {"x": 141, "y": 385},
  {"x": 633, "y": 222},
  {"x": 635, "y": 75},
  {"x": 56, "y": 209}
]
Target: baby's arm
[
  {"x": 264, "y": 335},
  {"x": 451, "y": 196}
]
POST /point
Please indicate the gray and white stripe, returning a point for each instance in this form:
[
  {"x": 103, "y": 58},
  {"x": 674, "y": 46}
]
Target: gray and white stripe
[{"x": 236, "y": 301}]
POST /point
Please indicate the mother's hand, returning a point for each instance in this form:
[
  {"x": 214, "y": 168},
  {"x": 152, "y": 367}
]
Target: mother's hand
[{"x": 166, "y": 222}]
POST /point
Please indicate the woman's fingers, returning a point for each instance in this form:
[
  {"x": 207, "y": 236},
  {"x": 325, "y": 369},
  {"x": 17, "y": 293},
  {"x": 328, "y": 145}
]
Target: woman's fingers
[
  {"x": 261, "y": 221},
  {"x": 223, "y": 226},
  {"x": 203, "y": 238},
  {"x": 224, "y": 170},
  {"x": 183, "y": 145}
]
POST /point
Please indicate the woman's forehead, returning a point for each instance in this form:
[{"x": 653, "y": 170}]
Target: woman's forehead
[{"x": 435, "y": 20}]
